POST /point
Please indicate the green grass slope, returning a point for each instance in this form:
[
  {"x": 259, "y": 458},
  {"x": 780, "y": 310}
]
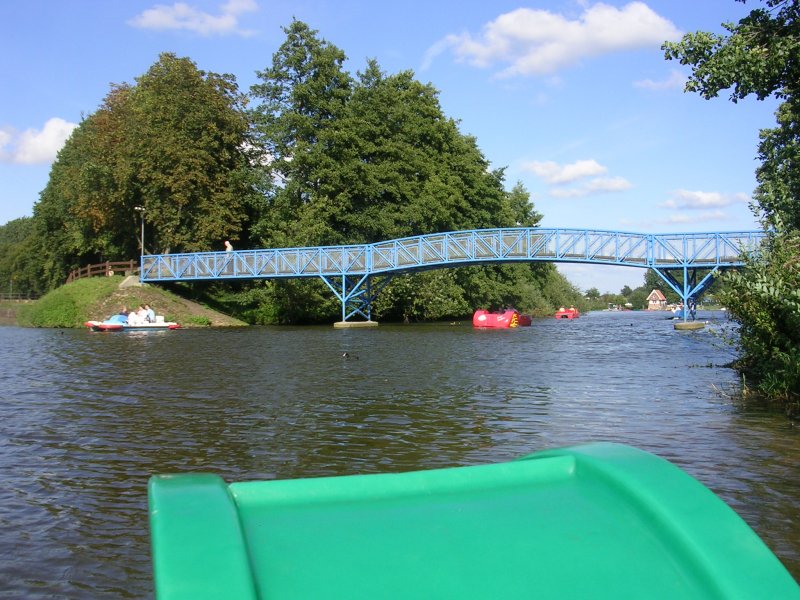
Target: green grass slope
[{"x": 97, "y": 298}]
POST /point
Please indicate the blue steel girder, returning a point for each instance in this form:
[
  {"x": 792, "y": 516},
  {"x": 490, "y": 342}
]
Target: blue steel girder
[
  {"x": 347, "y": 269},
  {"x": 702, "y": 249},
  {"x": 356, "y": 293}
]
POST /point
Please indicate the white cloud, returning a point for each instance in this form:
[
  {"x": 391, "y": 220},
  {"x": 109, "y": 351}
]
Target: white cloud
[
  {"x": 540, "y": 42},
  {"x": 5, "y": 139},
  {"x": 675, "y": 81},
  {"x": 600, "y": 185},
  {"x": 433, "y": 52},
  {"x": 189, "y": 18},
  {"x": 697, "y": 200},
  {"x": 680, "y": 219},
  {"x": 555, "y": 174},
  {"x": 558, "y": 175},
  {"x": 700, "y": 217},
  {"x": 32, "y": 146}
]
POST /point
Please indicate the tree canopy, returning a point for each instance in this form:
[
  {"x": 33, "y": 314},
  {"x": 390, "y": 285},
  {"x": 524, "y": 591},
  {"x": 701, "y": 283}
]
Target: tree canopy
[
  {"x": 172, "y": 144},
  {"x": 759, "y": 56},
  {"x": 373, "y": 157}
]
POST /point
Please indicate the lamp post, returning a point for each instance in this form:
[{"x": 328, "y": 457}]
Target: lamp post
[{"x": 140, "y": 210}]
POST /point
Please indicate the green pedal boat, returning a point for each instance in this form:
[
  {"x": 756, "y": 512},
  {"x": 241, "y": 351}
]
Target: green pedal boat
[{"x": 595, "y": 521}]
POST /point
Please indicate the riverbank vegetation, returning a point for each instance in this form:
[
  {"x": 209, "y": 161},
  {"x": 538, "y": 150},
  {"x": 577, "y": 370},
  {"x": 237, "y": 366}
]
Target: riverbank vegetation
[{"x": 760, "y": 57}]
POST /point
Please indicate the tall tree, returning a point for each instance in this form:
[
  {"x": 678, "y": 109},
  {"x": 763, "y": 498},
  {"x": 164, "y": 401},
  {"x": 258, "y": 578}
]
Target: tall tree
[
  {"x": 175, "y": 144},
  {"x": 403, "y": 168},
  {"x": 79, "y": 218},
  {"x": 299, "y": 99},
  {"x": 186, "y": 141},
  {"x": 374, "y": 158},
  {"x": 760, "y": 56}
]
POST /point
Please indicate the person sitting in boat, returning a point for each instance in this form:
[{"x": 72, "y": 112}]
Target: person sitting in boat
[
  {"x": 150, "y": 314},
  {"x": 134, "y": 318},
  {"x": 142, "y": 312}
]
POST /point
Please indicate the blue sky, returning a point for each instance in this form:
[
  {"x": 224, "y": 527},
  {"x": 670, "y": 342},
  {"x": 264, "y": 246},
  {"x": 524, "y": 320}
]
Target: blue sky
[{"x": 573, "y": 97}]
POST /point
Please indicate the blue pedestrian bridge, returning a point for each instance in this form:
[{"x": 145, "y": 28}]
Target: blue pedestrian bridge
[{"x": 356, "y": 273}]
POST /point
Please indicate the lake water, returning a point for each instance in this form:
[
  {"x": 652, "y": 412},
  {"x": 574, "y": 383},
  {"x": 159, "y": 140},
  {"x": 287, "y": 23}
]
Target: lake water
[{"x": 86, "y": 418}]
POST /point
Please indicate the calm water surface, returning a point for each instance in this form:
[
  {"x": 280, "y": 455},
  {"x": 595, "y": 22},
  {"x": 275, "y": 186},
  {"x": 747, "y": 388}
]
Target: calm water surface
[{"x": 86, "y": 418}]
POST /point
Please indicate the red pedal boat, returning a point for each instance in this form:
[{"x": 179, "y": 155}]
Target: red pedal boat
[
  {"x": 567, "y": 313},
  {"x": 507, "y": 319}
]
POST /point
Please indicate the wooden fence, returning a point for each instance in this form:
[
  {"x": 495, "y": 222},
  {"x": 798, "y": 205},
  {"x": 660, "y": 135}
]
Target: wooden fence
[
  {"x": 18, "y": 296},
  {"x": 128, "y": 267}
]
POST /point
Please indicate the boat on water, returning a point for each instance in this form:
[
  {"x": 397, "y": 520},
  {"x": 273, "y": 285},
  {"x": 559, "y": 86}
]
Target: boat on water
[
  {"x": 567, "y": 313},
  {"x": 594, "y": 521},
  {"x": 506, "y": 319},
  {"x": 120, "y": 323}
]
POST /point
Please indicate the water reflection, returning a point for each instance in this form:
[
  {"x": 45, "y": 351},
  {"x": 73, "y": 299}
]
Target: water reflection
[{"x": 86, "y": 418}]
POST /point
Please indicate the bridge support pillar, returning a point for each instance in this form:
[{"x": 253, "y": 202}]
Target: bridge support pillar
[
  {"x": 689, "y": 289},
  {"x": 356, "y": 293}
]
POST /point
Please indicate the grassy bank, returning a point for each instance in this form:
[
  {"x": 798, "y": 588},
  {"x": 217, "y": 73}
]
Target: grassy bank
[{"x": 97, "y": 298}]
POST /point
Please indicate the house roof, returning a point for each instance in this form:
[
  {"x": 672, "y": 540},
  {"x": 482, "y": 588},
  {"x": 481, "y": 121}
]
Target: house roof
[{"x": 656, "y": 296}]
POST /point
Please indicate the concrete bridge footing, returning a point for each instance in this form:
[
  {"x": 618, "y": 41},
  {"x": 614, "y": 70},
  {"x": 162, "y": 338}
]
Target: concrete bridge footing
[
  {"x": 689, "y": 325},
  {"x": 354, "y": 324}
]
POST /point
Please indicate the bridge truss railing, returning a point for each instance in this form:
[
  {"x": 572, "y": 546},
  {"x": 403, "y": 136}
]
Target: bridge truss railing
[{"x": 347, "y": 270}]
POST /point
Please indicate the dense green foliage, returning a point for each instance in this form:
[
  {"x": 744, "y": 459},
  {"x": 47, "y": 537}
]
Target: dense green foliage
[
  {"x": 766, "y": 301},
  {"x": 173, "y": 145},
  {"x": 761, "y": 57},
  {"x": 18, "y": 266},
  {"x": 373, "y": 157},
  {"x": 319, "y": 157}
]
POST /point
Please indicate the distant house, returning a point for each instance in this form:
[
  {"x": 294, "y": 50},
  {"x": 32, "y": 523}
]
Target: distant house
[{"x": 656, "y": 301}]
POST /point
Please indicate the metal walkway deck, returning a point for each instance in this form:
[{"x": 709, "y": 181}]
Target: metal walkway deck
[{"x": 348, "y": 270}]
